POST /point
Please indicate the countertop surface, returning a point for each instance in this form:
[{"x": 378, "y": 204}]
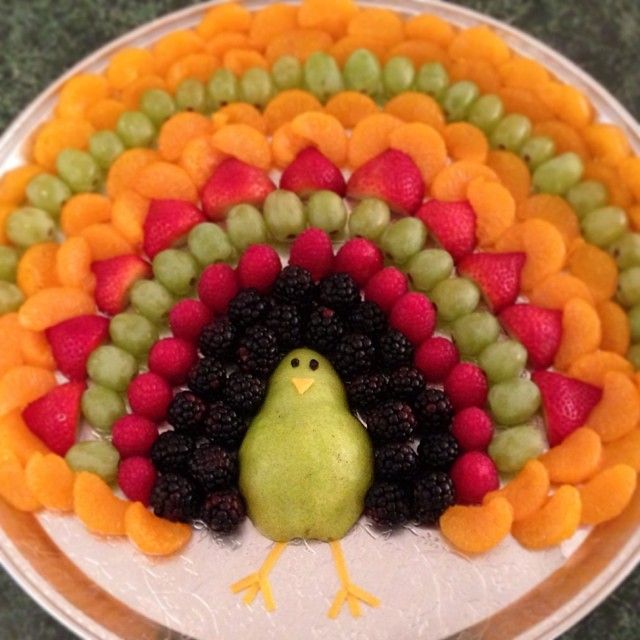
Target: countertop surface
[{"x": 39, "y": 39}]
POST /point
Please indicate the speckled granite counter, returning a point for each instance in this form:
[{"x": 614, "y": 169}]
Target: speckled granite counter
[{"x": 39, "y": 39}]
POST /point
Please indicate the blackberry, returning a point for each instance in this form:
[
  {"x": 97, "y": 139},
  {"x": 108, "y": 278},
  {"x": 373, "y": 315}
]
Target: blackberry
[
  {"x": 207, "y": 378},
  {"x": 388, "y": 504},
  {"x": 213, "y": 467},
  {"x": 438, "y": 451},
  {"x": 258, "y": 351},
  {"x": 368, "y": 318},
  {"x": 247, "y": 308},
  {"x": 223, "y": 511},
  {"x": 354, "y": 355},
  {"x": 286, "y": 321},
  {"x": 218, "y": 339},
  {"x": 295, "y": 286},
  {"x": 406, "y": 383},
  {"x": 338, "y": 291},
  {"x": 395, "y": 461},
  {"x": 175, "y": 498},
  {"x": 433, "y": 494},
  {"x": 367, "y": 390},
  {"x": 245, "y": 393},
  {"x": 324, "y": 329},
  {"x": 392, "y": 421},
  {"x": 433, "y": 410},
  {"x": 395, "y": 350},
  {"x": 223, "y": 426},
  {"x": 171, "y": 451},
  {"x": 186, "y": 411}
]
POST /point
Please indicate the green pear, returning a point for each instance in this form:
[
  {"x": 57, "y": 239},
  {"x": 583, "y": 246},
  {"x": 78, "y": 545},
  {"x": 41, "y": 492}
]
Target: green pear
[{"x": 306, "y": 462}]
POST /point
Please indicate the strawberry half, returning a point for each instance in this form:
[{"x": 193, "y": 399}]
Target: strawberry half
[
  {"x": 167, "y": 223},
  {"x": 73, "y": 341},
  {"x": 312, "y": 171},
  {"x": 391, "y": 176},
  {"x": 453, "y": 225},
  {"x": 538, "y": 329},
  {"x": 54, "y": 417},
  {"x": 234, "y": 182},
  {"x": 497, "y": 274},
  {"x": 566, "y": 403},
  {"x": 114, "y": 279}
]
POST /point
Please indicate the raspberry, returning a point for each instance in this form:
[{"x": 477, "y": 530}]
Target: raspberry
[
  {"x": 171, "y": 451},
  {"x": 186, "y": 412},
  {"x": 368, "y": 318},
  {"x": 207, "y": 378},
  {"x": 435, "y": 358},
  {"x": 473, "y": 429},
  {"x": 466, "y": 386},
  {"x": 387, "y": 504},
  {"x": 433, "y": 410},
  {"x": 391, "y": 421},
  {"x": 405, "y": 383},
  {"x": 223, "y": 511},
  {"x": 294, "y": 285},
  {"x": 433, "y": 494},
  {"x": 394, "y": 350},
  {"x": 354, "y": 355},
  {"x": 385, "y": 287},
  {"x": 174, "y": 498},
  {"x": 149, "y": 396},
  {"x": 188, "y": 318},
  {"x": 437, "y": 451},
  {"x": 324, "y": 330},
  {"x": 395, "y": 461},
  {"x": 259, "y": 267},
  {"x": 245, "y": 393},
  {"x": 133, "y": 435},
  {"x": 136, "y": 478},
  {"x": 223, "y": 426},
  {"x": 414, "y": 315},
  {"x": 247, "y": 308},
  {"x": 213, "y": 467},
  {"x": 286, "y": 322},
  {"x": 258, "y": 351},
  {"x": 367, "y": 390},
  {"x": 172, "y": 358},
  {"x": 338, "y": 291},
  {"x": 312, "y": 250},
  {"x": 217, "y": 286},
  {"x": 474, "y": 474},
  {"x": 218, "y": 339},
  {"x": 360, "y": 258}
]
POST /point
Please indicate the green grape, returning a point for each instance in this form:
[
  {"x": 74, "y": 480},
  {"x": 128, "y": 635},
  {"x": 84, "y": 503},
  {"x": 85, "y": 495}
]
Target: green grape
[
  {"x": 362, "y": 72},
  {"x": 369, "y": 218},
  {"x": 634, "y": 322},
  {"x": 112, "y": 367},
  {"x": 604, "y": 226},
  {"x": 537, "y": 150},
  {"x": 133, "y": 333},
  {"x": 105, "y": 147},
  {"x": 287, "y": 73},
  {"x": 256, "y": 87},
  {"x": 629, "y": 287},
  {"x": 48, "y": 193},
  {"x": 586, "y": 196},
  {"x": 9, "y": 258},
  {"x": 152, "y": 300},
  {"x": 473, "y": 332},
  {"x": 455, "y": 297},
  {"x": 246, "y": 226},
  {"x": 326, "y": 210},
  {"x": 101, "y": 407},
  {"x": 135, "y": 129},
  {"x": 459, "y": 99},
  {"x": 11, "y": 297},
  {"x": 626, "y": 250},
  {"x": 223, "y": 88},
  {"x": 503, "y": 360},
  {"x": 633, "y": 355},
  {"x": 177, "y": 270},
  {"x": 432, "y": 78},
  {"x": 514, "y": 401},
  {"x": 512, "y": 448},
  {"x": 511, "y": 132},
  {"x": 558, "y": 175},
  {"x": 28, "y": 226},
  {"x": 322, "y": 75},
  {"x": 79, "y": 170},
  {"x": 403, "y": 238},
  {"x": 398, "y": 75},
  {"x": 284, "y": 214},
  {"x": 158, "y": 105},
  {"x": 191, "y": 95},
  {"x": 95, "y": 456},
  {"x": 486, "y": 112},
  {"x": 428, "y": 267},
  {"x": 209, "y": 243}
]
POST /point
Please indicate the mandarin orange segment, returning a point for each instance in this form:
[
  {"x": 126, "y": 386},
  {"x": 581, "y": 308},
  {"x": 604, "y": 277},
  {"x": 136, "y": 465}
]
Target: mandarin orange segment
[
  {"x": 382, "y": 24},
  {"x": 175, "y": 45},
  {"x": 199, "y": 159},
  {"x": 329, "y": 15},
  {"x": 525, "y": 102},
  {"x": 581, "y": 333},
  {"x": 105, "y": 114},
  {"x": 553, "y": 209},
  {"x": 344, "y": 47},
  {"x": 608, "y": 494},
  {"x": 73, "y": 264},
  {"x": 13, "y": 484},
  {"x": 576, "y": 459},
  {"x": 242, "y": 113},
  {"x": 80, "y": 93},
  {"x": 429, "y": 27},
  {"x": 568, "y": 103},
  {"x": 630, "y": 174},
  {"x": 37, "y": 268},
  {"x": 522, "y": 73},
  {"x": 52, "y": 306},
  {"x": 300, "y": 43},
  {"x": 370, "y": 137},
  {"x": 287, "y": 105},
  {"x": 50, "y": 479},
  {"x": 128, "y": 65},
  {"x": 5, "y": 211},
  {"x": 132, "y": 93},
  {"x": 619, "y": 191},
  {"x": 606, "y": 142},
  {"x": 565, "y": 137},
  {"x": 167, "y": 181},
  {"x": 452, "y": 182},
  {"x": 479, "y": 42},
  {"x": 494, "y": 207},
  {"x": 271, "y": 21},
  {"x": 424, "y": 145},
  {"x": 624, "y": 450},
  {"x": 22, "y": 385},
  {"x": 36, "y": 350},
  {"x": 124, "y": 171},
  {"x": 59, "y": 134},
  {"x": 350, "y": 107},
  {"x": 15, "y": 436},
  {"x": 152, "y": 535},
  {"x": 10, "y": 352},
  {"x": 241, "y": 60},
  {"x": 596, "y": 268},
  {"x": 99, "y": 510},
  {"x": 129, "y": 213},
  {"x": 512, "y": 171},
  {"x": 105, "y": 241},
  {"x": 466, "y": 142},
  {"x": 593, "y": 367},
  {"x": 325, "y": 132},
  {"x": 83, "y": 210},
  {"x": 633, "y": 215},
  {"x": 222, "y": 42},
  {"x": 13, "y": 183},
  {"x": 178, "y": 131},
  {"x": 418, "y": 51},
  {"x": 480, "y": 72},
  {"x": 244, "y": 143},
  {"x": 412, "y": 106},
  {"x": 616, "y": 331},
  {"x": 555, "y": 291},
  {"x": 229, "y": 16},
  {"x": 285, "y": 145},
  {"x": 196, "y": 65}
]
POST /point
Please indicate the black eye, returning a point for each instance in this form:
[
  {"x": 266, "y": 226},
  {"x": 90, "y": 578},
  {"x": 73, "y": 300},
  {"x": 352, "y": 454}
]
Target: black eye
[
  {"x": 313, "y": 364},
  {"x": 295, "y": 363}
]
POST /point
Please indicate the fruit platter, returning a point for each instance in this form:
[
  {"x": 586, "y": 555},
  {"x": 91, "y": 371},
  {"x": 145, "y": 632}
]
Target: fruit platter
[{"x": 320, "y": 316}]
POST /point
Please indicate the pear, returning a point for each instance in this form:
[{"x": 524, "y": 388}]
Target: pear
[{"x": 306, "y": 462}]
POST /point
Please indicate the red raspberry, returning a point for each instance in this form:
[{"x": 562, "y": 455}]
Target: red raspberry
[
  {"x": 474, "y": 474},
  {"x": 259, "y": 267},
  {"x": 473, "y": 429},
  {"x": 385, "y": 287},
  {"x": 435, "y": 358},
  {"x": 218, "y": 285},
  {"x": 188, "y": 318},
  {"x": 149, "y": 396},
  {"x": 312, "y": 250},
  {"x": 172, "y": 358},
  {"x": 133, "y": 435},
  {"x": 136, "y": 477},
  {"x": 360, "y": 258},
  {"x": 414, "y": 315},
  {"x": 466, "y": 386}
]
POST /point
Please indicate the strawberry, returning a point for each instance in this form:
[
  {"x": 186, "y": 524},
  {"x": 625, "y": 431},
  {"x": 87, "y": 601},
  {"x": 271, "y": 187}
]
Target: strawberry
[
  {"x": 312, "y": 171},
  {"x": 566, "y": 403},
  {"x": 167, "y": 223},
  {"x": 497, "y": 275},
  {"x": 453, "y": 224},
  {"x": 73, "y": 341},
  {"x": 114, "y": 279},
  {"x": 234, "y": 182},
  {"x": 54, "y": 417},
  {"x": 538, "y": 329},
  {"x": 391, "y": 176}
]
